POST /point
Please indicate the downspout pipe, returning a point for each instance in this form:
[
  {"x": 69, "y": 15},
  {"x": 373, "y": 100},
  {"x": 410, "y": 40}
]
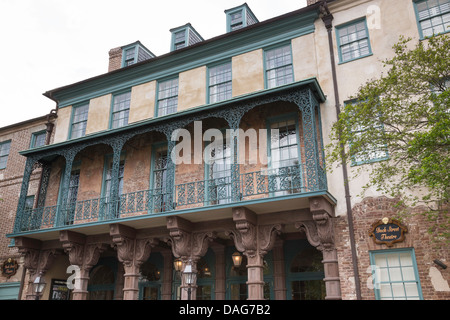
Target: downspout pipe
[{"x": 327, "y": 18}]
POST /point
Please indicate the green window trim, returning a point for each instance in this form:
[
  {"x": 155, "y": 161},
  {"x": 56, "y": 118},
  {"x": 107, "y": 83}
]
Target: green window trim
[
  {"x": 184, "y": 36},
  {"x": 38, "y": 139},
  {"x": 5, "y": 148},
  {"x": 382, "y": 150},
  {"x": 277, "y": 160},
  {"x": 106, "y": 181},
  {"x": 219, "y": 79},
  {"x": 240, "y": 17},
  {"x": 167, "y": 97},
  {"x": 353, "y": 41},
  {"x": 433, "y": 17},
  {"x": 78, "y": 120},
  {"x": 120, "y": 109},
  {"x": 278, "y": 65},
  {"x": 395, "y": 275}
]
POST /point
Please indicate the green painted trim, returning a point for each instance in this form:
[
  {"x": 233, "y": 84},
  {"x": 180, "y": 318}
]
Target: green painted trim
[
  {"x": 338, "y": 42},
  {"x": 411, "y": 251},
  {"x": 34, "y": 136},
  {"x": 208, "y": 78},
  {"x": 7, "y": 156},
  {"x": 273, "y": 47},
  {"x": 222, "y": 47},
  {"x": 72, "y": 115},
  {"x": 158, "y": 82},
  {"x": 419, "y": 27},
  {"x": 113, "y": 96}
]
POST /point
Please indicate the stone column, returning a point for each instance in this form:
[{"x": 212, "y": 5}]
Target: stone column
[
  {"x": 187, "y": 245},
  {"x": 132, "y": 252},
  {"x": 220, "y": 290},
  {"x": 166, "y": 290},
  {"x": 320, "y": 234},
  {"x": 254, "y": 241},
  {"x": 36, "y": 261},
  {"x": 279, "y": 273},
  {"x": 82, "y": 254}
]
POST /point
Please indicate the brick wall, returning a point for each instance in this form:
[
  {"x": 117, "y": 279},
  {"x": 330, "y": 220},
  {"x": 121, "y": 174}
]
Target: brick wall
[
  {"x": 11, "y": 181},
  {"x": 426, "y": 250},
  {"x": 115, "y": 59}
]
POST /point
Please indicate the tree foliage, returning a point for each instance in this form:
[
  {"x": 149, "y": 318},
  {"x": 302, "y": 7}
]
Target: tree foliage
[{"x": 404, "y": 115}]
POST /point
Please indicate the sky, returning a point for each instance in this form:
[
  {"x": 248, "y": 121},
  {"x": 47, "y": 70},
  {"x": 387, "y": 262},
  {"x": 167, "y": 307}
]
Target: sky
[{"x": 47, "y": 44}]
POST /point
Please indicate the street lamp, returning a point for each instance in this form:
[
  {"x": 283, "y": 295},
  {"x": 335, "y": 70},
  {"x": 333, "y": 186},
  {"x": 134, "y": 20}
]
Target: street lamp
[
  {"x": 189, "y": 278},
  {"x": 38, "y": 286}
]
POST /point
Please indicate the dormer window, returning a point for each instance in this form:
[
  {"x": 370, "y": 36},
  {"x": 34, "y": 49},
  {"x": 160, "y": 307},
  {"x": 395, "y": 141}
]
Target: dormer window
[
  {"x": 184, "y": 36},
  {"x": 134, "y": 53},
  {"x": 240, "y": 17}
]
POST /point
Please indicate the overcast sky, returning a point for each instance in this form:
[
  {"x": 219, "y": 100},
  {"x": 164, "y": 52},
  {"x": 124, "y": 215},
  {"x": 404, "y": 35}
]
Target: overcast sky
[{"x": 46, "y": 44}]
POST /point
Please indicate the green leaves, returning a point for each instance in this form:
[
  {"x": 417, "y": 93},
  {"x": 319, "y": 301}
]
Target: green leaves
[{"x": 405, "y": 112}]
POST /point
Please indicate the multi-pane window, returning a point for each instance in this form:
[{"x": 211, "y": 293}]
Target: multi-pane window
[
  {"x": 4, "y": 153},
  {"x": 159, "y": 178},
  {"x": 38, "y": 139},
  {"x": 79, "y": 121},
  {"x": 167, "y": 97},
  {"x": 353, "y": 41},
  {"x": 108, "y": 181},
  {"x": 395, "y": 275},
  {"x": 285, "y": 173},
  {"x": 433, "y": 17},
  {"x": 220, "y": 87},
  {"x": 219, "y": 160},
  {"x": 120, "y": 110},
  {"x": 278, "y": 63}
]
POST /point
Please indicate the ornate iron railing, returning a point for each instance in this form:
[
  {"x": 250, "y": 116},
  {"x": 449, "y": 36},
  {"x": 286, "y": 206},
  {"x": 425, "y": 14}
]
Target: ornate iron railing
[{"x": 269, "y": 183}]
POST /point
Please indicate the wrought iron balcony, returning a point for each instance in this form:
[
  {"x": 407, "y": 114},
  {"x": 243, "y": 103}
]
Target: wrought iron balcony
[{"x": 269, "y": 184}]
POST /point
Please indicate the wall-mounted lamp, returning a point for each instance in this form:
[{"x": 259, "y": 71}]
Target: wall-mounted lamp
[
  {"x": 38, "y": 286},
  {"x": 178, "y": 264},
  {"x": 440, "y": 264},
  {"x": 237, "y": 259}
]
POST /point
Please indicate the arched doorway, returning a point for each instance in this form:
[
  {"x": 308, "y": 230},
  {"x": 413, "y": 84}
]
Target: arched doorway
[
  {"x": 151, "y": 278},
  {"x": 102, "y": 280}
]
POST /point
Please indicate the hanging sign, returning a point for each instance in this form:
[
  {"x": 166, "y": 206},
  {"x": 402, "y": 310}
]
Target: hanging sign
[
  {"x": 9, "y": 267},
  {"x": 387, "y": 231}
]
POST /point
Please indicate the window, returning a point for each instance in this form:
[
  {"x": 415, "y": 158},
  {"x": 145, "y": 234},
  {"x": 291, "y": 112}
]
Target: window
[
  {"x": 159, "y": 178},
  {"x": 278, "y": 65},
  {"x": 79, "y": 121},
  {"x": 38, "y": 139},
  {"x": 395, "y": 275},
  {"x": 180, "y": 40},
  {"x": 353, "y": 41},
  {"x": 220, "y": 87},
  {"x": 218, "y": 171},
  {"x": 433, "y": 17},
  {"x": 167, "y": 97},
  {"x": 284, "y": 154},
  {"x": 120, "y": 110},
  {"x": 134, "y": 53},
  {"x": 4, "y": 153},
  {"x": 184, "y": 36},
  {"x": 240, "y": 17},
  {"x": 376, "y": 152},
  {"x": 130, "y": 56},
  {"x": 107, "y": 177}
]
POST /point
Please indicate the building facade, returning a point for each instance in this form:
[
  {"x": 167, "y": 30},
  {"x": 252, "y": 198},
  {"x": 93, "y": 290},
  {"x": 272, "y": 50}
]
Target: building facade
[
  {"x": 28, "y": 134},
  {"x": 211, "y": 157}
]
